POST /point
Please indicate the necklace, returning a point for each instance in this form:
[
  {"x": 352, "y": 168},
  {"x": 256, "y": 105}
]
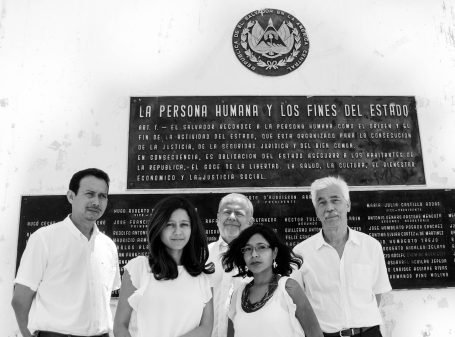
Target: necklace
[{"x": 247, "y": 306}]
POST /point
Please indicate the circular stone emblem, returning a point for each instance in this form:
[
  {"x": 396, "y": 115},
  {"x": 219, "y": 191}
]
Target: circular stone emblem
[{"x": 270, "y": 42}]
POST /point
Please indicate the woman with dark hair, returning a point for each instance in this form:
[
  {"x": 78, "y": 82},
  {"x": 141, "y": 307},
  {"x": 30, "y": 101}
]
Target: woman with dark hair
[
  {"x": 272, "y": 304},
  {"x": 169, "y": 290}
]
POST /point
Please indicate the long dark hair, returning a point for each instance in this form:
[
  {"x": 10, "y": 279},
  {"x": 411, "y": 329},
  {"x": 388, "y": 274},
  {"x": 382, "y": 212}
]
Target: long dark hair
[
  {"x": 284, "y": 259},
  {"x": 195, "y": 253}
]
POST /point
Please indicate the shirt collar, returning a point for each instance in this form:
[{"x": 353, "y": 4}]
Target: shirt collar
[
  {"x": 222, "y": 245},
  {"x": 320, "y": 242},
  {"x": 68, "y": 223},
  {"x": 353, "y": 236}
]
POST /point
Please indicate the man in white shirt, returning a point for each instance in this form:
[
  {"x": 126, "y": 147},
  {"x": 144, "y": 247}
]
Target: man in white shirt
[
  {"x": 235, "y": 213},
  {"x": 69, "y": 269},
  {"x": 344, "y": 271}
]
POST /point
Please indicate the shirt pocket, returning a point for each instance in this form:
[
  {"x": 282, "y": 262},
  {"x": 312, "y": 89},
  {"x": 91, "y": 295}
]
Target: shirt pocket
[{"x": 362, "y": 275}]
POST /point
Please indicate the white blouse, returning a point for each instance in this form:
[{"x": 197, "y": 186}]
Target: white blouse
[
  {"x": 275, "y": 318},
  {"x": 166, "y": 308}
]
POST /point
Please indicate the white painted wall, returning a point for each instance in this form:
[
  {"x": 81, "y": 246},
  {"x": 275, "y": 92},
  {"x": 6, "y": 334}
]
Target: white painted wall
[{"x": 68, "y": 68}]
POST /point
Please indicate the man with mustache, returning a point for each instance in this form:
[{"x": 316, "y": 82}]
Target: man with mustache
[
  {"x": 344, "y": 272},
  {"x": 235, "y": 213},
  {"x": 68, "y": 270}
]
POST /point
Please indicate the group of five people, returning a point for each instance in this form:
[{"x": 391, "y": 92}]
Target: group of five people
[{"x": 248, "y": 283}]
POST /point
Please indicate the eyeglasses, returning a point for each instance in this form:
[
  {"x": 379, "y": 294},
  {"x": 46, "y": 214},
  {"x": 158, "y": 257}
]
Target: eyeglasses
[
  {"x": 239, "y": 214},
  {"x": 260, "y": 248}
]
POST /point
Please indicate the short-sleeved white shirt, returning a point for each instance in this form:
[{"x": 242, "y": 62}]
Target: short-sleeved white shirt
[
  {"x": 168, "y": 308},
  {"x": 342, "y": 291},
  {"x": 73, "y": 278}
]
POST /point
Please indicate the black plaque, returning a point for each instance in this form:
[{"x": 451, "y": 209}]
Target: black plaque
[
  {"x": 415, "y": 227},
  {"x": 270, "y": 141}
]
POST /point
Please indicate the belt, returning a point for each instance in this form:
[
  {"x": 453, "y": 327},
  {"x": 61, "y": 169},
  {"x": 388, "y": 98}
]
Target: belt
[
  {"x": 57, "y": 334},
  {"x": 348, "y": 332}
]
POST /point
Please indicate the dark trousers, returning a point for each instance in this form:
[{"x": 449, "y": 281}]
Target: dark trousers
[
  {"x": 56, "y": 334},
  {"x": 373, "y": 332}
]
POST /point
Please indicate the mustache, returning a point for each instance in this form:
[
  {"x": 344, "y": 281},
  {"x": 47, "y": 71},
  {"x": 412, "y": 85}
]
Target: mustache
[
  {"x": 231, "y": 223},
  {"x": 228, "y": 220}
]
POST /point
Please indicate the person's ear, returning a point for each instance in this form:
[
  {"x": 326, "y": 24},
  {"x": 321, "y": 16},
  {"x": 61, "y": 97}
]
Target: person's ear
[
  {"x": 275, "y": 252},
  {"x": 70, "y": 196},
  {"x": 251, "y": 221}
]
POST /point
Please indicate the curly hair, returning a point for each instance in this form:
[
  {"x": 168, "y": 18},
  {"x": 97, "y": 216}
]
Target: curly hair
[
  {"x": 195, "y": 253},
  {"x": 284, "y": 259}
]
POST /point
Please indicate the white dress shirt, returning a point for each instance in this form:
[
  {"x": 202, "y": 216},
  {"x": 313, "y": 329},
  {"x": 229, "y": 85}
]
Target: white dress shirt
[
  {"x": 223, "y": 284},
  {"x": 73, "y": 278},
  {"x": 342, "y": 291}
]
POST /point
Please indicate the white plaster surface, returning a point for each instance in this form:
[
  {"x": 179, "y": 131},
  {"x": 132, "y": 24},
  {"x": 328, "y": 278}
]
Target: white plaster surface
[{"x": 68, "y": 68}]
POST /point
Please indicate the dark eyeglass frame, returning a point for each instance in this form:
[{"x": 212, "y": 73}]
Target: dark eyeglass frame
[{"x": 260, "y": 248}]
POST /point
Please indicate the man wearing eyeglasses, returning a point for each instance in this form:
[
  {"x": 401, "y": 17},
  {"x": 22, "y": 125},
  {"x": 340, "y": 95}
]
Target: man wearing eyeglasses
[
  {"x": 344, "y": 272},
  {"x": 235, "y": 213}
]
